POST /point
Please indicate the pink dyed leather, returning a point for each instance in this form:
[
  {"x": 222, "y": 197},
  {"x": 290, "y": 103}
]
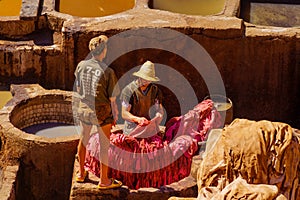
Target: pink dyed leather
[{"x": 174, "y": 152}]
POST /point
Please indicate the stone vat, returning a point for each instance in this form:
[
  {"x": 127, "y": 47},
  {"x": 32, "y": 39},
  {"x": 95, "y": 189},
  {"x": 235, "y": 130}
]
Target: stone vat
[
  {"x": 258, "y": 64},
  {"x": 36, "y": 167},
  {"x": 271, "y": 12},
  {"x": 22, "y": 24},
  {"x": 94, "y": 8}
]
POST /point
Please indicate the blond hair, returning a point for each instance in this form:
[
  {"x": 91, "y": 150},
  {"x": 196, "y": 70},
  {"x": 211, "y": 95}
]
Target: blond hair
[{"x": 98, "y": 44}]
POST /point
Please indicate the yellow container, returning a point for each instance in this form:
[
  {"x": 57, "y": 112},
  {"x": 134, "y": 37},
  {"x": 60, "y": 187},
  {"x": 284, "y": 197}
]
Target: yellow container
[
  {"x": 93, "y": 8},
  {"x": 5, "y": 96},
  {"x": 10, "y": 7},
  {"x": 191, "y": 7}
]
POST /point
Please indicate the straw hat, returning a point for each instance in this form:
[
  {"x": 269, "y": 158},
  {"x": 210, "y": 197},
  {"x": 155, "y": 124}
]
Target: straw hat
[{"x": 147, "y": 72}]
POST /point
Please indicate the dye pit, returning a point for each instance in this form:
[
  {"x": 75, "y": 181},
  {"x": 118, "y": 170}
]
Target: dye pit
[
  {"x": 96, "y": 8},
  {"x": 192, "y": 7},
  {"x": 276, "y": 13},
  {"x": 5, "y": 97},
  {"x": 52, "y": 130},
  {"x": 10, "y": 7}
]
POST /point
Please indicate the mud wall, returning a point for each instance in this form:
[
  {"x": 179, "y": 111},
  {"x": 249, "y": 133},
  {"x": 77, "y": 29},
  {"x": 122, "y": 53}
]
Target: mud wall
[
  {"x": 259, "y": 65},
  {"x": 260, "y": 69}
]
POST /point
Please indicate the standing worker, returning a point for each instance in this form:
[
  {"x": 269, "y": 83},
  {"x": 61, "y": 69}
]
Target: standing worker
[{"x": 97, "y": 86}]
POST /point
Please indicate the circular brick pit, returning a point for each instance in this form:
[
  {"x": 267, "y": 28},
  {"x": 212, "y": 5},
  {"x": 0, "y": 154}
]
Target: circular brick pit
[
  {"x": 42, "y": 110},
  {"x": 44, "y": 165}
]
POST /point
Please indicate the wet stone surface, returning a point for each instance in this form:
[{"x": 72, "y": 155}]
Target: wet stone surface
[{"x": 186, "y": 187}]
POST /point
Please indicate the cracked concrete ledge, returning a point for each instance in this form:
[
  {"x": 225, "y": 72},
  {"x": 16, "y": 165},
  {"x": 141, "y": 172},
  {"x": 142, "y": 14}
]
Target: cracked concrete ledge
[{"x": 8, "y": 181}]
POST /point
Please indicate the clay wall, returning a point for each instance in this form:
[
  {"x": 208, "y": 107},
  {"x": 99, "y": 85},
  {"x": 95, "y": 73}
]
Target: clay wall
[
  {"x": 260, "y": 70},
  {"x": 259, "y": 65}
]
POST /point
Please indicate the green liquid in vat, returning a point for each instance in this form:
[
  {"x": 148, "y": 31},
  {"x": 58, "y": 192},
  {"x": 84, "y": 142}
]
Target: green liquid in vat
[{"x": 271, "y": 14}]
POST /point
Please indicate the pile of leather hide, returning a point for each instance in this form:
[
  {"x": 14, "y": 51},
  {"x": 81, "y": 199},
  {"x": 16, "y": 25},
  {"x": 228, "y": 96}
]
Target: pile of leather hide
[{"x": 252, "y": 160}]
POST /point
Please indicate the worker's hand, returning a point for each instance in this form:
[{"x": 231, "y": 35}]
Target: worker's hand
[
  {"x": 142, "y": 121},
  {"x": 158, "y": 114}
]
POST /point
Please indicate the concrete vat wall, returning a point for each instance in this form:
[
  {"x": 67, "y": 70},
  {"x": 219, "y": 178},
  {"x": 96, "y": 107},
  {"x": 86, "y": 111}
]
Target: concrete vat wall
[
  {"x": 44, "y": 166},
  {"x": 259, "y": 65}
]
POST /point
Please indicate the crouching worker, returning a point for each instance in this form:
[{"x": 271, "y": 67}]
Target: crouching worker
[
  {"x": 97, "y": 86},
  {"x": 141, "y": 99}
]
